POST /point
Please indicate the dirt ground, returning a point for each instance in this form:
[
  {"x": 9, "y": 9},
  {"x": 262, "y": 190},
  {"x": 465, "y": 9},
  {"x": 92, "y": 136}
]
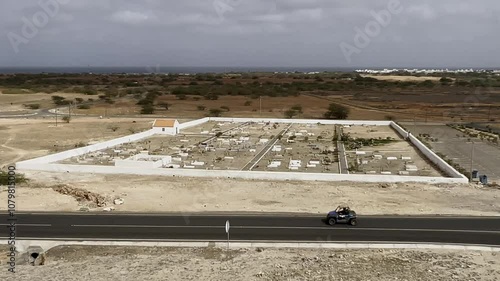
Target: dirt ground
[
  {"x": 174, "y": 194},
  {"x": 22, "y": 139},
  {"x": 135, "y": 263}
]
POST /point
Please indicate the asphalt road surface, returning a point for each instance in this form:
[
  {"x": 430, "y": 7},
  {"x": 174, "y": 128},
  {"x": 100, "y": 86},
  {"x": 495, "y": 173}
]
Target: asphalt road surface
[{"x": 468, "y": 230}]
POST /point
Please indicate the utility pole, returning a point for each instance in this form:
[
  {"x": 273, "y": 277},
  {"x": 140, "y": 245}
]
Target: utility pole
[
  {"x": 489, "y": 114},
  {"x": 260, "y": 105},
  {"x": 471, "y": 160},
  {"x": 56, "y": 116}
]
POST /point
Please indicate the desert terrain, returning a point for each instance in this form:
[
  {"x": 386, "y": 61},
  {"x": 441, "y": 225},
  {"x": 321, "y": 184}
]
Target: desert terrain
[
  {"x": 26, "y": 138},
  {"x": 75, "y": 263},
  {"x": 167, "y": 194}
]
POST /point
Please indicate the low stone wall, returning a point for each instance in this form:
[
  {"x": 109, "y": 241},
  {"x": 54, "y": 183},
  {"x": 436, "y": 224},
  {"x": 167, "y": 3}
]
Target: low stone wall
[
  {"x": 433, "y": 157},
  {"x": 280, "y": 176},
  {"x": 302, "y": 121},
  {"x": 84, "y": 150}
]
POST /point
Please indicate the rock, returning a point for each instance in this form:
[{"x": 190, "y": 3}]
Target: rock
[
  {"x": 81, "y": 194},
  {"x": 84, "y": 209},
  {"x": 260, "y": 274},
  {"x": 108, "y": 209},
  {"x": 118, "y": 201}
]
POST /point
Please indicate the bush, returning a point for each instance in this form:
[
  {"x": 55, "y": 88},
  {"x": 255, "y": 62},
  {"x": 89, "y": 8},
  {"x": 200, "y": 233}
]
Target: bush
[
  {"x": 147, "y": 109},
  {"x": 201, "y": 107},
  {"x": 336, "y": 111},
  {"x": 181, "y": 96},
  {"x": 290, "y": 113},
  {"x": 165, "y": 105},
  {"x": 297, "y": 108},
  {"x": 4, "y": 178},
  {"x": 212, "y": 96},
  {"x": 79, "y": 100},
  {"x": 215, "y": 112},
  {"x": 66, "y": 119},
  {"x": 113, "y": 128},
  {"x": 224, "y": 108},
  {"x": 248, "y": 103},
  {"x": 58, "y": 100},
  {"x": 80, "y": 144},
  {"x": 33, "y": 106},
  {"x": 83, "y": 106}
]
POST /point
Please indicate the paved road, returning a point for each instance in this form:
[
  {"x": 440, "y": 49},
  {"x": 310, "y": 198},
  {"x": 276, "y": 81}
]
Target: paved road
[{"x": 469, "y": 230}]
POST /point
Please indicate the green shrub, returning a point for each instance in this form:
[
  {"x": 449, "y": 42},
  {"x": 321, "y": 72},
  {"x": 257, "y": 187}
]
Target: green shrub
[
  {"x": 83, "y": 106},
  {"x": 33, "y": 106},
  {"x": 4, "y": 178}
]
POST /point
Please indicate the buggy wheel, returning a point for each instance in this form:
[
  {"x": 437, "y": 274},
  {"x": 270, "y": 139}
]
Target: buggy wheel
[
  {"x": 353, "y": 222},
  {"x": 331, "y": 221}
]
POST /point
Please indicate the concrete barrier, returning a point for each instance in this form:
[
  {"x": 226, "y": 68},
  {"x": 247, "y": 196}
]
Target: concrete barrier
[
  {"x": 83, "y": 150},
  {"x": 48, "y": 244},
  {"x": 279, "y": 176},
  {"x": 302, "y": 121},
  {"x": 433, "y": 157},
  {"x": 193, "y": 123}
]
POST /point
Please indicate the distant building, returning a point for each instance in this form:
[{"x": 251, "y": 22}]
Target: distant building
[{"x": 166, "y": 126}]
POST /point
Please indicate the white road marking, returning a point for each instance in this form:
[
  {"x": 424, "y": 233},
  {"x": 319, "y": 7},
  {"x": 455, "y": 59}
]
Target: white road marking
[
  {"x": 34, "y": 225},
  {"x": 292, "y": 227},
  {"x": 149, "y": 226}
]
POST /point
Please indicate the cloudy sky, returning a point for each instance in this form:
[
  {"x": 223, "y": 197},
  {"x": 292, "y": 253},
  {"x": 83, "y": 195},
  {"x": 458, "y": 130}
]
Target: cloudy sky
[{"x": 328, "y": 33}]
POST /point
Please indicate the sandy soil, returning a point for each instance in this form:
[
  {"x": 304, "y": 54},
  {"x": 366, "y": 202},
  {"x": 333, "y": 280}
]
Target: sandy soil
[
  {"x": 121, "y": 263},
  {"x": 174, "y": 194},
  {"x": 22, "y": 139}
]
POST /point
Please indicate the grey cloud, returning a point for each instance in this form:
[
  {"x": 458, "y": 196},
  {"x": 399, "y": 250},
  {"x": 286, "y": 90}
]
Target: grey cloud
[{"x": 253, "y": 33}]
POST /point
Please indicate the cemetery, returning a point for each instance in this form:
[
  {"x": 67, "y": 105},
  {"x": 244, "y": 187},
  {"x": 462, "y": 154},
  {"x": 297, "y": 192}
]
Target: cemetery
[{"x": 281, "y": 149}]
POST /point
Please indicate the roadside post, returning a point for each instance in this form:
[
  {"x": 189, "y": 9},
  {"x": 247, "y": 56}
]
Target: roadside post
[{"x": 227, "y": 232}]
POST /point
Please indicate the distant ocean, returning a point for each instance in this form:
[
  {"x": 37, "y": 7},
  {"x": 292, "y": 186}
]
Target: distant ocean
[{"x": 161, "y": 69}]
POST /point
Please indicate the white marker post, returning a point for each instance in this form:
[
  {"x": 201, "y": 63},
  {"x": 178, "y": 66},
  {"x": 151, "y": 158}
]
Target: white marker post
[{"x": 227, "y": 231}]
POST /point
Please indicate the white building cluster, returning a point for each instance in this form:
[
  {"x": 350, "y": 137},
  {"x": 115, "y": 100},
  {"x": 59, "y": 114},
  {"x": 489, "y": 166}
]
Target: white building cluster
[{"x": 424, "y": 71}]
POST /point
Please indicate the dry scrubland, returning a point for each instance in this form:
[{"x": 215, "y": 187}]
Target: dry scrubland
[
  {"x": 174, "y": 194},
  {"x": 121, "y": 263}
]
